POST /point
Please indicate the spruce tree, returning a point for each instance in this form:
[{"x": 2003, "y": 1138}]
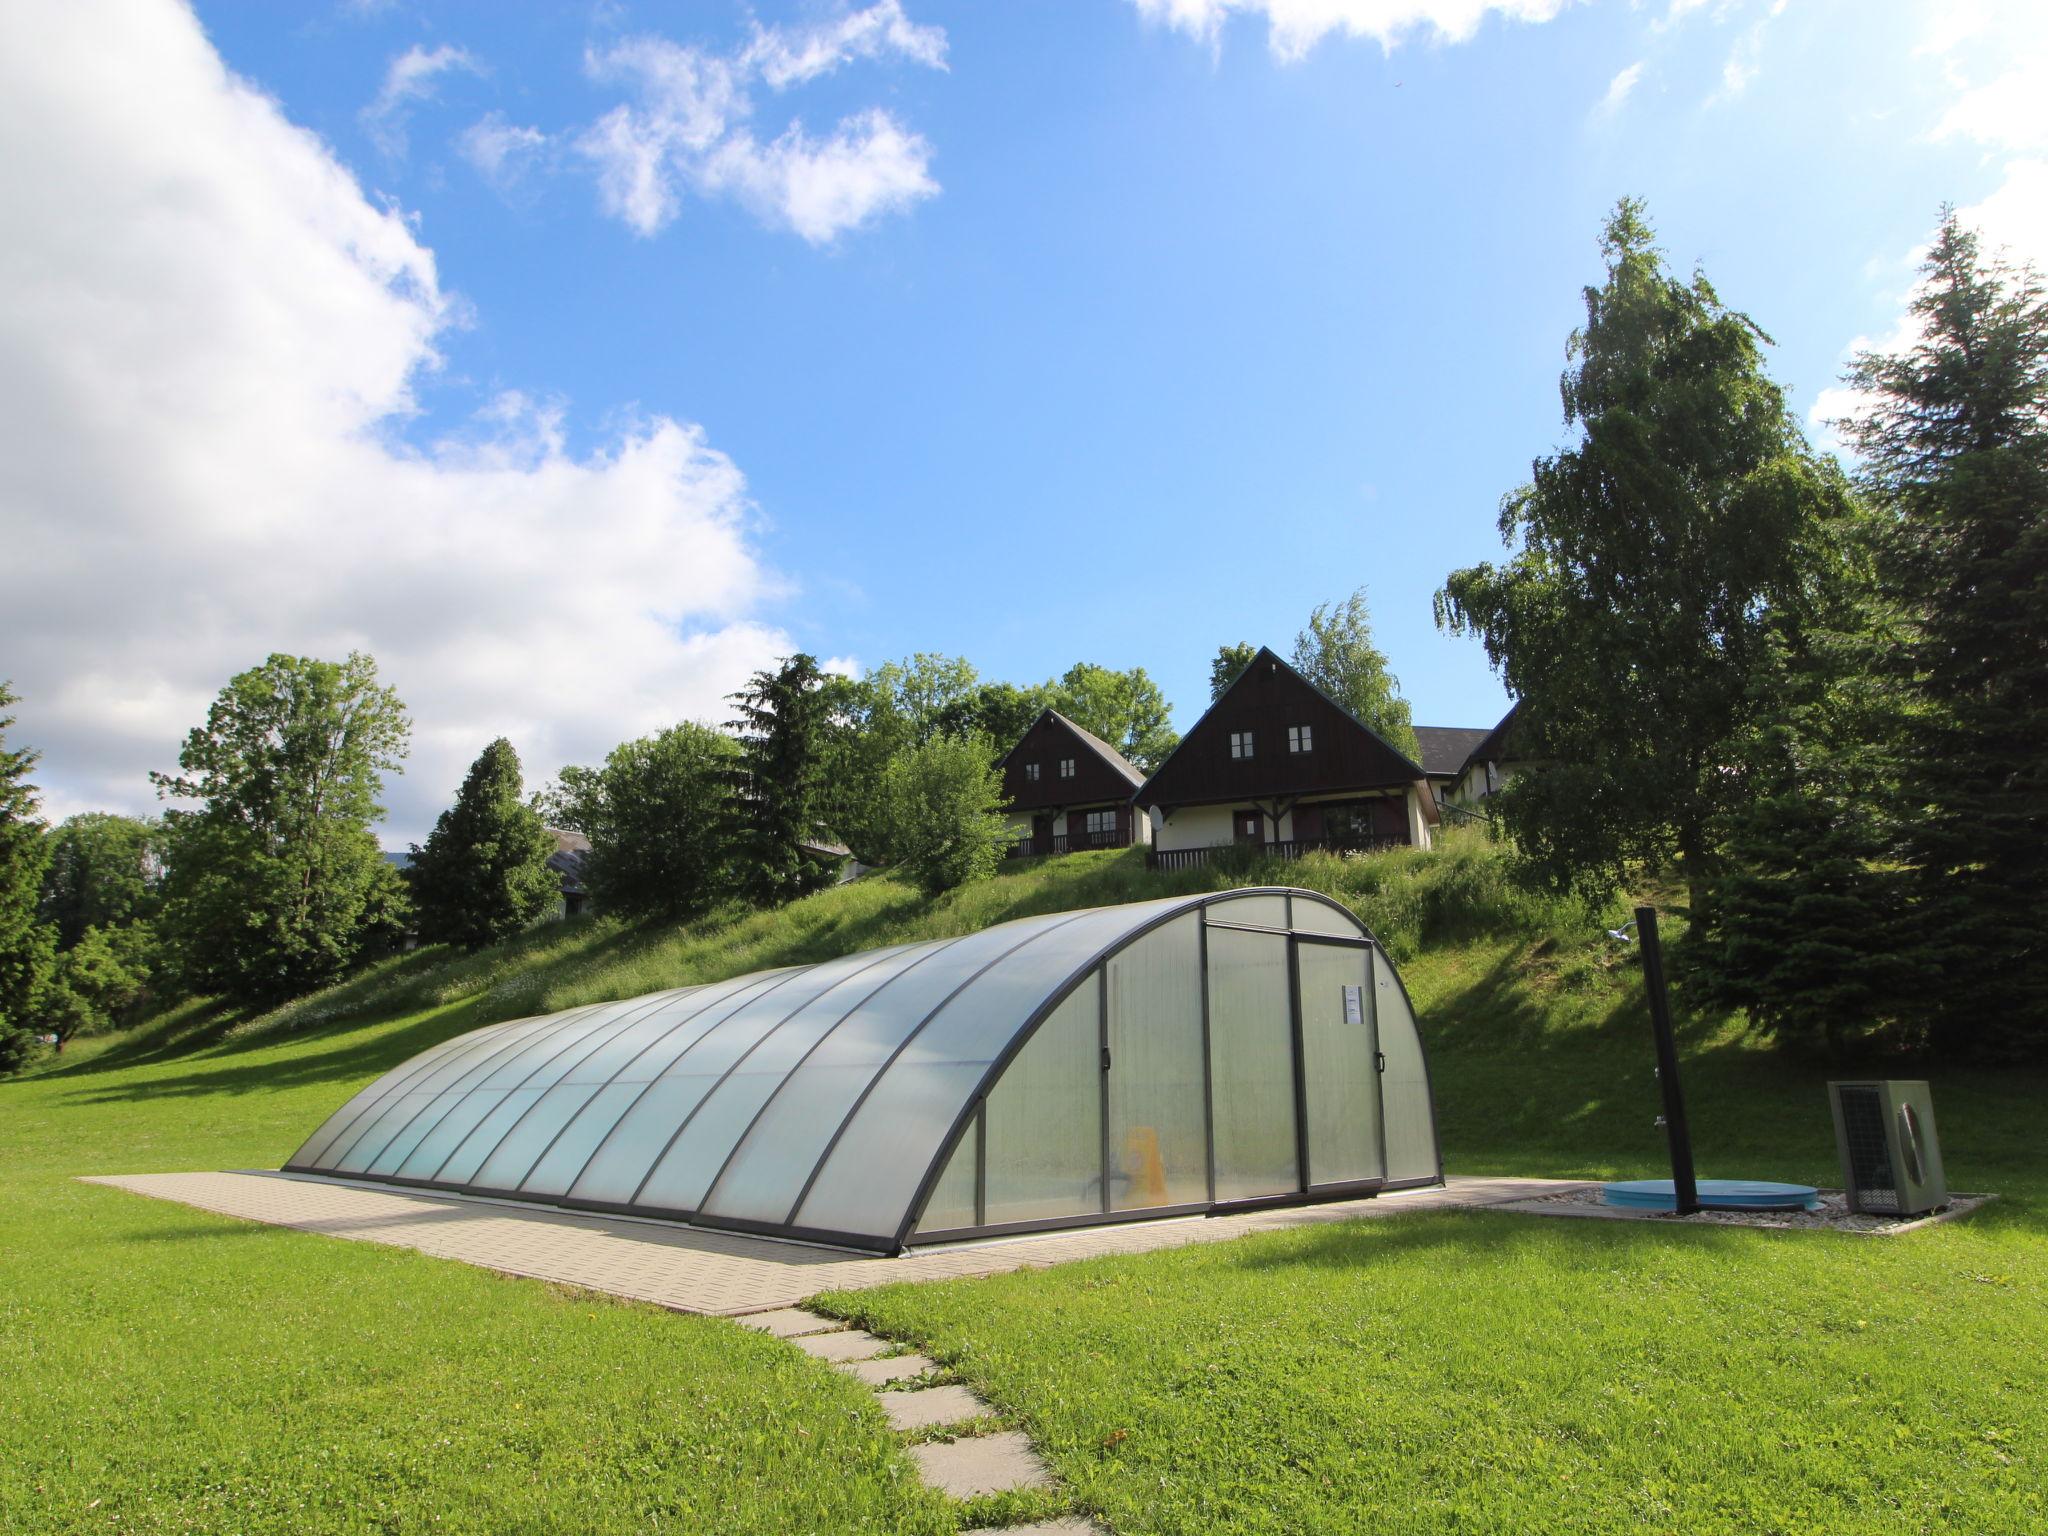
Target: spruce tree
[
  {"x": 1955, "y": 443},
  {"x": 482, "y": 874},
  {"x": 1804, "y": 923},
  {"x": 781, "y": 729},
  {"x": 26, "y": 943}
]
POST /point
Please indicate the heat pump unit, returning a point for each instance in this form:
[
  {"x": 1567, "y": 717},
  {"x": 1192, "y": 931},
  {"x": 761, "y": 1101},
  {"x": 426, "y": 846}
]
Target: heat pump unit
[{"x": 1891, "y": 1159}]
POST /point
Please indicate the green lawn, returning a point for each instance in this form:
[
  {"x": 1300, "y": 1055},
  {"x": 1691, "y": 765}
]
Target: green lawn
[
  {"x": 163, "y": 1369},
  {"x": 1477, "y": 1373}
]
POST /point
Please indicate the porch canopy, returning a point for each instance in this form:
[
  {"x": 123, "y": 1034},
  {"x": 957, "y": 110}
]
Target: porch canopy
[{"x": 1163, "y": 1057}]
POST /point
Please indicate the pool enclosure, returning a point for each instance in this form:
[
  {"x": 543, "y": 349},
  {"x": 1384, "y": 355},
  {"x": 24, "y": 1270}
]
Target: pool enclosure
[{"x": 1162, "y": 1058}]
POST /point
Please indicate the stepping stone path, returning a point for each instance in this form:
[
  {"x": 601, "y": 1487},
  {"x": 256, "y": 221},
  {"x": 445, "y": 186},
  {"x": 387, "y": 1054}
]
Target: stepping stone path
[{"x": 995, "y": 1461}]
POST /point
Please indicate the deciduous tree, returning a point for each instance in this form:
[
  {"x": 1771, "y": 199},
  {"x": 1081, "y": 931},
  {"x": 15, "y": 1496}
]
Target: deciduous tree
[
  {"x": 657, "y": 817},
  {"x": 482, "y": 874},
  {"x": 1126, "y": 709},
  {"x": 275, "y": 884},
  {"x": 1228, "y": 667},
  {"x": 1337, "y": 654},
  {"x": 104, "y": 872},
  {"x": 943, "y": 801},
  {"x": 1651, "y": 561}
]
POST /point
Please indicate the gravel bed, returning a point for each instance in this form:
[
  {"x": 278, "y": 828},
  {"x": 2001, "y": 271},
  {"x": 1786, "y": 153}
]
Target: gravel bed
[{"x": 1834, "y": 1214}]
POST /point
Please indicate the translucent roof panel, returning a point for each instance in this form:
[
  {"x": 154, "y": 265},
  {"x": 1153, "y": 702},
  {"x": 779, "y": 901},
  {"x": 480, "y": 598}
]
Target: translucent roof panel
[{"x": 819, "y": 1101}]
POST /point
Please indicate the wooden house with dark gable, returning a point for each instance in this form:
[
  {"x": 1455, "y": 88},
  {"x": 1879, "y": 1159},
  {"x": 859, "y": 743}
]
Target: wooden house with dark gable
[
  {"x": 1489, "y": 765},
  {"x": 1278, "y": 763},
  {"x": 1068, "y": 789}
]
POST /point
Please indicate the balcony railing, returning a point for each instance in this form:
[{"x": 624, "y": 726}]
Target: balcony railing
[
  {"x": 1293, "y": 848},
  {"x": 1078, "y": 842}
]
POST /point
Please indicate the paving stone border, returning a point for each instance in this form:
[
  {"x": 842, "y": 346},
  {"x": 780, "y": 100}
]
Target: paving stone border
[
  {"x": 1833, "y": 1216},
  {"x": 966, "y": 1466}
]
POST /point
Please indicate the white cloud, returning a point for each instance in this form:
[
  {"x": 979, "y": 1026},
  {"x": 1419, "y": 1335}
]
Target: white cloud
[
  {"x": 2009, "y": 111},
  {"x": 790, "y": 56},
  {"x": 1294, "y": 27},
  {"x": 687, "y": 129},
  {"x": 206, "y": 334},
  {"x": 2011, "y": 223},
  {"x": 410, "y": 79},
  {"x": 501, "y": 151},
  {"x": 1618, "y": 90}
]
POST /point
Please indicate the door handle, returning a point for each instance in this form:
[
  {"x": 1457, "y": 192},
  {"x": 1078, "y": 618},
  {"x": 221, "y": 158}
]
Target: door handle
[{"x": 1379, "y": 1061}]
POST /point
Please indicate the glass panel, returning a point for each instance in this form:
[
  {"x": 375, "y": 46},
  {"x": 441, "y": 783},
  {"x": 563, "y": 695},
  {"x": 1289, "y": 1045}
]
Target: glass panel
[
  {"x": 1312, "y": 916},
  {"x": 318, "y": 1144},
  {"x": 529, "y": 1073},
  {"x": 1045, "y": 1118},
  {"x": 1337, "y": 1050},
  {"x": 870, "y": 1178},
  {"x": 951, "y": 1206},
  {"x": 1251, "y": 1065},
  {"x": 438, "y": 1137},
  {"x": 594, "y": 1118},
  {"x": 464, "y": 1161},
  {"x": 1158, "y": 1122},
  {"x": 676, "y": 1008},
  {"x": 513, "y": 1158},
  {"x": 569, "y": 1030},
  {"x": 1258, "y": 911},
  {"x": 388, "y": 1122},
  {"x": 458, "y": 1069},
  {"x": 684, "y": 1174},
  {"x": 761, "y": 1181},
  {"x": 624, "y": 1151},
  {"x": 1410, "y": 1123},
  {"x": 646, "y": 1130},
  {"x": 807, "y": 1114}
]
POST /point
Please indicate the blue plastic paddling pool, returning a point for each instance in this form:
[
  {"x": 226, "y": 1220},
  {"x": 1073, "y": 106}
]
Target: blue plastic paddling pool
[{"x": 1715, "y": 1195}]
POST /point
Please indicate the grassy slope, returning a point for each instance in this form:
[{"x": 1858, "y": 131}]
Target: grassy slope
[{"x": 189, "y": 1372}]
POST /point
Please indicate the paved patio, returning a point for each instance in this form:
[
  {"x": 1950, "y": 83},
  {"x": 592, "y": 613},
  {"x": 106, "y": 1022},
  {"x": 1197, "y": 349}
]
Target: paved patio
[{"x": 721, "y": 1273}]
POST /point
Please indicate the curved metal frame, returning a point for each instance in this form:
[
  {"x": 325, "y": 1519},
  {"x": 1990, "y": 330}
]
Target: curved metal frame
[{"x": 493, "y": 1052}]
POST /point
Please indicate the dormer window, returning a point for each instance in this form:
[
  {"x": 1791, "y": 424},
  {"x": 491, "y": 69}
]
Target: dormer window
[
  {"x": 1066, "y": 767},
  {"x": 1240, "y": 744},
  {"x": 1031, "y": 773},
  {"x": 1299, "y": 739}
]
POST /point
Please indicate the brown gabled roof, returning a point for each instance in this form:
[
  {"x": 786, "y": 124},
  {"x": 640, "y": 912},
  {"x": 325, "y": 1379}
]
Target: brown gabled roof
[
  {"x": 1375, "y": 761},
  {"x": 1493, "y": 746},
  {"x": 1113, "y": 759},
  {"x": 1447, "y": 748}
]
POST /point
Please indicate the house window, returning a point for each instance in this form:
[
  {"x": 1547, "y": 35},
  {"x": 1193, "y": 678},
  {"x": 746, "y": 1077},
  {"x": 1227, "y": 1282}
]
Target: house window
[
  {"x": 1240, "y": 743},
  {"x": 1031, "y": 773},
  {"x": 1299, "y": 739},
  {"x": 1101, "y": 823},
  {"x": 1066, "y": 767}
]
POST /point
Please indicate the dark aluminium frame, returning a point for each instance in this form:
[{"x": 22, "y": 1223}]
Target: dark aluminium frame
[
  {"x": 971, "y": 1117},
  {"x": 906, "y": 1235}
]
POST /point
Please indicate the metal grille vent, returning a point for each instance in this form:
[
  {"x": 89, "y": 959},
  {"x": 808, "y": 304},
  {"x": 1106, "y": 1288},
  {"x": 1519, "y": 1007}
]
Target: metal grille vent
[{"x": 1875, "y": 1186}]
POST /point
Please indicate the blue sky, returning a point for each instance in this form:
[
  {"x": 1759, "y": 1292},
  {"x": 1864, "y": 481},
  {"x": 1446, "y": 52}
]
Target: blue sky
[{"x": 1057, "y": 331}]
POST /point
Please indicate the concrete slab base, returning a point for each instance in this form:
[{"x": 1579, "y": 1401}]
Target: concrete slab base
[
  {"x": 895, "y": 1368},
  {"x": 994, "y": 1463},
  {"x": 789, "y": 1322},
  {"x": 934, "y": 1405},
  {"x": 841, "y": 1346},
  {"x": 691, "y": 1269}
]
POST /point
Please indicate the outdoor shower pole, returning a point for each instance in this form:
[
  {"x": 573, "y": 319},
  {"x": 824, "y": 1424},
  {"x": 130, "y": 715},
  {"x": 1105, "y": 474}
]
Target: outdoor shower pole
[{"x": 1683, "y": 1186}]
